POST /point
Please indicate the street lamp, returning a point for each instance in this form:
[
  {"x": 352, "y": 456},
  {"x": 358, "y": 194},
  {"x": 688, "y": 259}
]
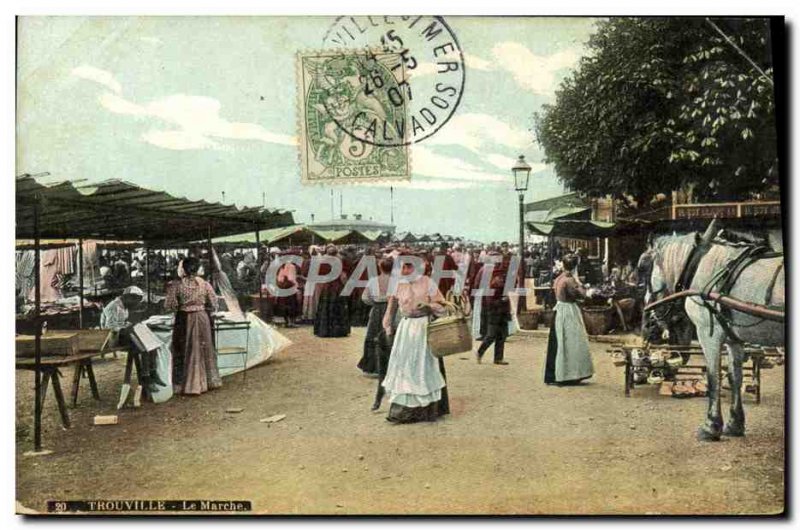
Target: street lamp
[{"x": 522, "y": 173}]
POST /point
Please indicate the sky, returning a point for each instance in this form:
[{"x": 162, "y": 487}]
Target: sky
[{"x": 201, "y": 106}]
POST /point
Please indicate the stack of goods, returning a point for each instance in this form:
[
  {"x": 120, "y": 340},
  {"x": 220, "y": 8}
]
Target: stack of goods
[{"x": 660, "y": 367}]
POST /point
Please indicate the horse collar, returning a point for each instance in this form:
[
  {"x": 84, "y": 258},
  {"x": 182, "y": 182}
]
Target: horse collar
[{"x": 697, "y": 253}]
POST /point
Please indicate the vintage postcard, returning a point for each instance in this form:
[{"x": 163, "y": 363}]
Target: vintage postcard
[{"x": 400, "y": 265}]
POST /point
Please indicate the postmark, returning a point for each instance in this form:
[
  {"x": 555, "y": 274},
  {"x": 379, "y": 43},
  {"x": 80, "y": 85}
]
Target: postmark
[
  {"x": 331, "y": 93},
  {"x": 433, "y": 73}
]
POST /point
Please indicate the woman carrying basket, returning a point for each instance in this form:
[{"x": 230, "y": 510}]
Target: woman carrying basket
[{"x": 414, "y": 382}]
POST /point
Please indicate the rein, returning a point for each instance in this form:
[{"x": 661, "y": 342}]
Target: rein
[{"x": 755, "y": 310}]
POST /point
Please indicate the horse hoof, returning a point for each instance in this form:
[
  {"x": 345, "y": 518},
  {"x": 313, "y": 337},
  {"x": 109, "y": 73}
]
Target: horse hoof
[
  {"x": 733, "y": 430},
  {"x": 704, "y": 435}
]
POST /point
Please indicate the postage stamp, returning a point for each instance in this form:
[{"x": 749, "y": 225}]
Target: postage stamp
[
  {"x": 433, "y": 76},
  {"x": 352, "y": 115}
]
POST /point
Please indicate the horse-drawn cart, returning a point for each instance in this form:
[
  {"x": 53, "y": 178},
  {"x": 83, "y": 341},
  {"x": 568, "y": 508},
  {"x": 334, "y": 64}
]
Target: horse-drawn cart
[{"x": 685, "y": 363}]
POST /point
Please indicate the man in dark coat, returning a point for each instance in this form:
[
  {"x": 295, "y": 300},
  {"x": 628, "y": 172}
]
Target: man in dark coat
[{"x": 496, "y": 315}]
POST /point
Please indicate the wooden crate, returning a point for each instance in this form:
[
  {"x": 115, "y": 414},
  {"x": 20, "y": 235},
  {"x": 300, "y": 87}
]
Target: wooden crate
[{"x": 53, "y": 343}]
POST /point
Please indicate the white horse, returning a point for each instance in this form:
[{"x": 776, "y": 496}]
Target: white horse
[{"x": 761, "y": 282}]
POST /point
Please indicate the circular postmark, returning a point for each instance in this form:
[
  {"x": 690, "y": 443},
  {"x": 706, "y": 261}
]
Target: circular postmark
[{"x": 403, "y": 81}]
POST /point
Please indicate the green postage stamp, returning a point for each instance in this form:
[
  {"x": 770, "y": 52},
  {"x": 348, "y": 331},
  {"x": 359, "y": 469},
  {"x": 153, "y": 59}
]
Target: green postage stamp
[{"x": 352, "y": 113}]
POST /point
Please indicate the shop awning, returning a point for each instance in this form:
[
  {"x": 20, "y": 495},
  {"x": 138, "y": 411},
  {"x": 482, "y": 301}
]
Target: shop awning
[
  {"x": 373, "y": 235},
  {"x": 114, "y": 209},
  {"x": 294, "y": 235},
  {"x": 344, "y": 237},
  {"x": 584, "y": 229}
]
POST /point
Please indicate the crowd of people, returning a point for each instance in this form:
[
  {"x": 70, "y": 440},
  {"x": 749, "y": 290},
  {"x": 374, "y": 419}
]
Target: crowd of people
[{"x": 395, "y": 349}]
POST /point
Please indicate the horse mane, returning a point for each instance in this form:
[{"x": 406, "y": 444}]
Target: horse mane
[
  {"x": 671, "y": 254},
  {"x": 739, "y": 238}
]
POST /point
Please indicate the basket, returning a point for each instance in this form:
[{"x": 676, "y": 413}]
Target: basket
[
  {"x": 450, "y": 334},
  {"x": 597, "y": 320},
  {"x": 529, "y": 319},
  {"x": 546, "y": 318}
]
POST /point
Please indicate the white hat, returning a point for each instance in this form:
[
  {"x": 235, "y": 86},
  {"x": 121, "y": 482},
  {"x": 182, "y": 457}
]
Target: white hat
[
  {"x": 274, "y": 250},
  {"x": 133, "y": 290}
]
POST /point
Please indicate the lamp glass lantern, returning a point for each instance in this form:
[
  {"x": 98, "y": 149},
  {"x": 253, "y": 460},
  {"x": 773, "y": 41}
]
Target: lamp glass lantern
[{"x": 522, "y": 174}]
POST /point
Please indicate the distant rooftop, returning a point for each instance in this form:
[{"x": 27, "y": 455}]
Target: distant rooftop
[{"x": 352, "y": 222}]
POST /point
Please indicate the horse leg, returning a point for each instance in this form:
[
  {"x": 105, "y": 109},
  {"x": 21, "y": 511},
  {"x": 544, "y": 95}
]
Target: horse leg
[
  {"x": 735, "y": 424},
  {"x": 711, "y": 430}
]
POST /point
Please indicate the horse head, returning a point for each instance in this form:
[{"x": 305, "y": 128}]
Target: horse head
[
  {"x": 651, "y": 281},
  {"x": 660, "y": 268}
]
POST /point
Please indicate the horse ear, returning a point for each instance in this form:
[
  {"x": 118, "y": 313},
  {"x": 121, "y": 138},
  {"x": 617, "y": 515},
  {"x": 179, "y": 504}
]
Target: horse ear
[{"x": 710, "y": 232}]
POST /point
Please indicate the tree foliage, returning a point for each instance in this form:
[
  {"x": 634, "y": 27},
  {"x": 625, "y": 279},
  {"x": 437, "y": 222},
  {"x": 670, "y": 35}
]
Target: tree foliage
[{"x": 660, "y": 104}]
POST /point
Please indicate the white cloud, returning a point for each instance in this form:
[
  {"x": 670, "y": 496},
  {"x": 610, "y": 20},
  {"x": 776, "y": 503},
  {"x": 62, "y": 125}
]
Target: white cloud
[
  {"x": 423, "y": 69},
  {"x": 426, "y": 162},
  {"x": 473, "y": 62},
  {"x": 179, "y": 140},
  {"x": 98, "y": 76},
  {"x": 536, "y": 73},
  {"x": 196, "y": 119},
  {"x": 119, "y": 105},
  {"x": 505, "y": 163},
  {"x": 500, "y": 161},
  {"x": 434, "y": 171},
  {"x": 533, "y": 72},
  {"x": 475, "y": 131}
]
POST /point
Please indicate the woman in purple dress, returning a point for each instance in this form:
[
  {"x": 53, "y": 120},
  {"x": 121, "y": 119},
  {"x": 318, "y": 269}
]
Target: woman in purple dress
[{"x": 194, "y": 359}]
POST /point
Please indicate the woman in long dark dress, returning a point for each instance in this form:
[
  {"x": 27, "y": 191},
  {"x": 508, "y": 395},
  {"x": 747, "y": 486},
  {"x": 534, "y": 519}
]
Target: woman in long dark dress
[
  {"x": 376, "y": 353},
  {"x": 332, "y": 318},
  {"x": 568, "y": 358},
  {"x": 194, "y": 359},
  {"x": 359, "y": 310}
]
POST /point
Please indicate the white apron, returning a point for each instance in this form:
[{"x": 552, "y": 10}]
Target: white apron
[
  {"x": 573, "y": 360},
  {"x": 412, "y": 377}
]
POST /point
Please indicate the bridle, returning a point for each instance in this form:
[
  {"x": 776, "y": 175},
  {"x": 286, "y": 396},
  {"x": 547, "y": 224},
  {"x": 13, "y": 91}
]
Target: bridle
[{"x": 663, "y": 314}]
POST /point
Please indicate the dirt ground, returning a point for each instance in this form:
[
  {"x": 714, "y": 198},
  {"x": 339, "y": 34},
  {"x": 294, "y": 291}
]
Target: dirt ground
[{"x": 511, "y": 445}]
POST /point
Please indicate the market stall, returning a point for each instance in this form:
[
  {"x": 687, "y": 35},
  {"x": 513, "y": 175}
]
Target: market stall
[
  {"x": 286, "y": 236},
  {"x": 613, "y": 304},
  {"x": 116, "y": 210}
]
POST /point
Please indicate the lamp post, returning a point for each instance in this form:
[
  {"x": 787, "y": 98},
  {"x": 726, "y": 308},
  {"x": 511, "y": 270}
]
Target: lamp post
[{"x": 522, "y": 173}]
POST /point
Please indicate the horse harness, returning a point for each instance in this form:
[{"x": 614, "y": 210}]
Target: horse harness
[
  {"x": 724, "y": 280},
  {"x": 685, "y": 278}
]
